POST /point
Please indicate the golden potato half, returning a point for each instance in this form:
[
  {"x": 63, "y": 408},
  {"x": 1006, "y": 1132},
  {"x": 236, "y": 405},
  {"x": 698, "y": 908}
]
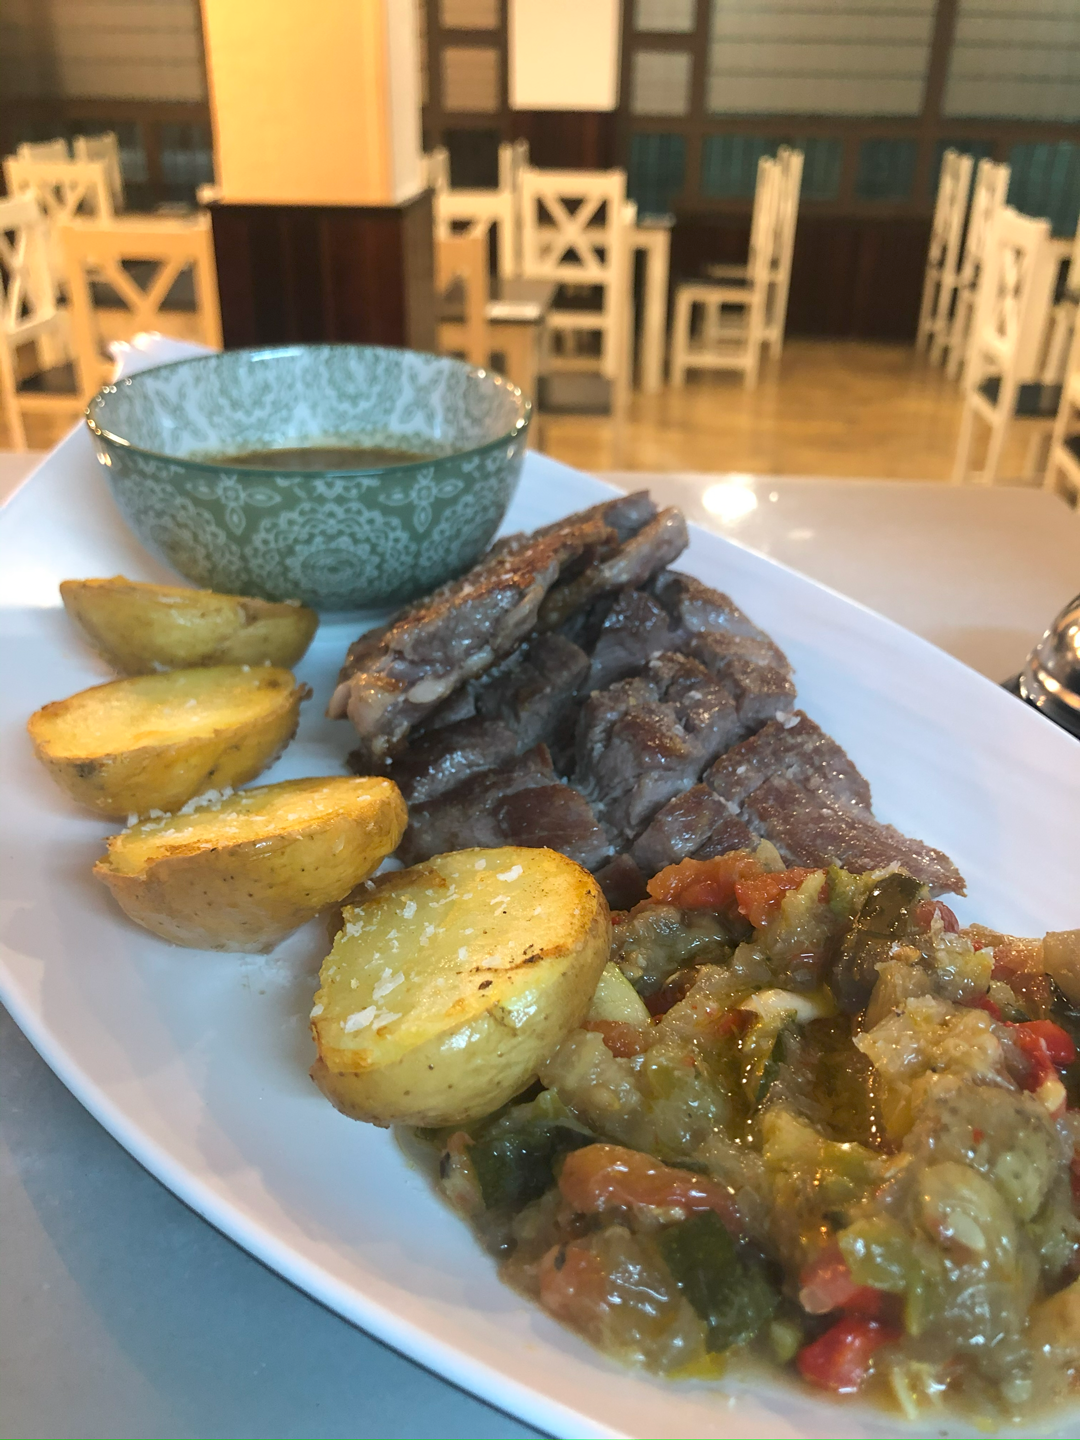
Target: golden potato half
[
  {"x": 143, "y": 628},
  {"x": 240, "y": 873},
  {"x": 448, "y": 988},
  {"x": 155, "y": 741}
]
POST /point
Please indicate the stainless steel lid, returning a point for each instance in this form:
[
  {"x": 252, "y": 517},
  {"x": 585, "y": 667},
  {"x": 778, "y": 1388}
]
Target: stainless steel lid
[{"x": 1051, "y": 678}]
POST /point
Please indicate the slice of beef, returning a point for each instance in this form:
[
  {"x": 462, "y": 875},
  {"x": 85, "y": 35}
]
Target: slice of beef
[
  {"x": 761, "y": 691},
  {"x": 811, "y": 828},
  {"x": 534, "y": 688},
  {"x": 622, "y": 882},
  {"x": 516, "y": 705},
  {"x": 798, "y": 748},
  {"x": 697, "y": 823},
  {"x": 442, "y": 759},
  {"x": 636, "y": 628},
  {"x": 793, "y": 785},
  {"x": 645, "y": 739},
  {"x": 522, "y": 803},
  {"x": 696, "y": 609},
  {"x": 655, "y": 545},
  {"x": 397, "y": 675}
]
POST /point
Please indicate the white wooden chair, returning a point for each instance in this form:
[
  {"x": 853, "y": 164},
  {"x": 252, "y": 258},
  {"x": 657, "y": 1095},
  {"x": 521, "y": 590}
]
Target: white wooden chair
[
  {"x": 1001, "y": 327},
  {"x": 64, "y": 190},
  {"x": 987, "y": 198},
  {"x": 1063, "y": 321},
  {"x": 785, "y": 215},
  {"x": 725, "y": 341},
  {"x": 105, "y": 148},
  {"x": 513, "y": 160},
  {"x": 435, "y": 169},
  {"x": 943, "y": 256},
  {"x": 38, "y": 372},
  {"x": 138, "y": 260},
  {"x": 476, "y": 212},
  {"x": 1063, "y": 465},
  {"x": 43, "y": 150},
  {"x": 574, "y": 232},
  {"x": 462, "y": 280}
]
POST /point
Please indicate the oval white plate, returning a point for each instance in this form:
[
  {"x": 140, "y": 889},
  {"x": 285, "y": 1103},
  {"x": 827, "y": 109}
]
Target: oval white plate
[{"x": 197, "y": 1063}]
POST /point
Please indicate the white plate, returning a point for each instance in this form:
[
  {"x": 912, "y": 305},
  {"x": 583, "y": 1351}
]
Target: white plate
[{"x": 197, "y": 1063}]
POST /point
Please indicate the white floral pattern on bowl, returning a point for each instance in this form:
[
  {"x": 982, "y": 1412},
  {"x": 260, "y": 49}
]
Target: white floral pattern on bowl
[{"x": 337, "y": 540}]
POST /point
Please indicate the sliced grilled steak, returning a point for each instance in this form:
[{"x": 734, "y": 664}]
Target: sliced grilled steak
[
  {"x": 395, "y": 676},
  {"x": 636, "y": 628},
  {"x": 811, "y": 828},
  {"x": 696, "y": 824},
  {"x": 522, "y": 803},
  {"x": 645, "y": 739},
  {"x": 697, "y": 609},
  {"x": 657, "y": 544},
  {"x": 793, "y": 785},
  {"x": 795, "y": 747},
  {"x": 442, "y": 759},
  {"x": 525, "y": 700}
]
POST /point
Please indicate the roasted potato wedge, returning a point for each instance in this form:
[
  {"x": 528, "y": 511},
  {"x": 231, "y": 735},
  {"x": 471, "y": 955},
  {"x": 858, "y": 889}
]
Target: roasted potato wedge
[
  {"x": 143, "y": 628},
  {"x": 155, "y": 741},
  {"x": 239, "y": 873},
  {"x": 447, "y": 988}
]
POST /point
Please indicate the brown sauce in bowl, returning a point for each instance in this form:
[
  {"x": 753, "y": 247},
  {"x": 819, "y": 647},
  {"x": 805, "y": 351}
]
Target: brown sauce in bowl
[{"x": 322, "y": 457}]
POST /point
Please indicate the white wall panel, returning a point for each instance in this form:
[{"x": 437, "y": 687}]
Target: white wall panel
[{"x": 564, "y": 54}]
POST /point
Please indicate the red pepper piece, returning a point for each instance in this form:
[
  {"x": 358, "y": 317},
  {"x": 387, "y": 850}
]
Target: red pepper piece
[{"x": 839, "y": 1360}]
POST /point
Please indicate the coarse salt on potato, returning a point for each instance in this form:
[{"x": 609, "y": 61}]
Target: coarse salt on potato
[
  {"x": 153, "y": 742},
  {"x": 239, "y": 872},
  {"x": 453, "y": 981}
]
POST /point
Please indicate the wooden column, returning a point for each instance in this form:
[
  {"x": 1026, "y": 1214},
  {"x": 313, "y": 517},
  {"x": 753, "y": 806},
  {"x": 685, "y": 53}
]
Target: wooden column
[{"x": 321, "y": 231}]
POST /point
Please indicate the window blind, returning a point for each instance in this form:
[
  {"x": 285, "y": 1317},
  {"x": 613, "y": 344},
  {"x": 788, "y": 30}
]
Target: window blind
[{"x": 812, "y": 57}]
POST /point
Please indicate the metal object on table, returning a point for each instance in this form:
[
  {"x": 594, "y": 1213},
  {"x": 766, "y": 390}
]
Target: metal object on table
[{"x": 1051, "y": 678}]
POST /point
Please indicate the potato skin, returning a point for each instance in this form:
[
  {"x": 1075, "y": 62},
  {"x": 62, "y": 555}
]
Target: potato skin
[
  {"x": 464, "y": 1071},
  {"x": 163, "y": 776},
  {"x": 247, "y": 896},
  {"x": 141, "y": 629}
]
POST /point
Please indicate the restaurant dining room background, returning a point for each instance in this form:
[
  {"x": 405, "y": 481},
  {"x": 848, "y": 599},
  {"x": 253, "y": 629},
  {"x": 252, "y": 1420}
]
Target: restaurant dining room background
[{"x": 685, "y": 98}]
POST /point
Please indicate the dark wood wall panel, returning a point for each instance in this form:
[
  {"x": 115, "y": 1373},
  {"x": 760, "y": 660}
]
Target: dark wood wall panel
[
  {"x": 852, "y": 278},
  {"x": 297, "y": 273}
]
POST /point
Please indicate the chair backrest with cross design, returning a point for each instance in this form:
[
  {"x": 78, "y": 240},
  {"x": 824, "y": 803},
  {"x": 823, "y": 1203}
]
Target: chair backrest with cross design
[
  {"x": 105, "y": 148},
  {"x": 987, "y": 197},
  {"x": 31, "y": 324},
  {"x": 943, "y": 254},
  {"x": 574, "y": 232},
  {"x": 1012, "y": 261},
  {"x": 123, "y": 277}
]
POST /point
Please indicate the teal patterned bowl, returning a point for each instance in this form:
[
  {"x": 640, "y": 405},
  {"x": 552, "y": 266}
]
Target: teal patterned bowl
[{"x": 337, "y": 540}]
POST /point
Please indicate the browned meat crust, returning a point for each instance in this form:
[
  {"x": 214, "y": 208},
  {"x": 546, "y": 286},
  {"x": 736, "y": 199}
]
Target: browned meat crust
[
  {"x": 645, "y": 739},
  {"x": 397, "y": 675},
  {"x": 518, "y": 704}
]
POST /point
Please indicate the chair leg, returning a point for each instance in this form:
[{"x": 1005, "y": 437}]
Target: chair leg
[
  {"x": 9, "y": 395},
  {"x": 958, "y": 335},
  {"x": 996, "y": 443},
  {"x": 680, "y": 334},
  {"x": 963, "y": 445}
]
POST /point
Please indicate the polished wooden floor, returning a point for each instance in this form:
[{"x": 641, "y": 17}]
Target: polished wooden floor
[{"x": 827, "y": 408}]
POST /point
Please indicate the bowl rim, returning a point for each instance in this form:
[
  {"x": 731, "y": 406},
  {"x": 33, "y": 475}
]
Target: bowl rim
[{"x": 520, "y": 426}]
